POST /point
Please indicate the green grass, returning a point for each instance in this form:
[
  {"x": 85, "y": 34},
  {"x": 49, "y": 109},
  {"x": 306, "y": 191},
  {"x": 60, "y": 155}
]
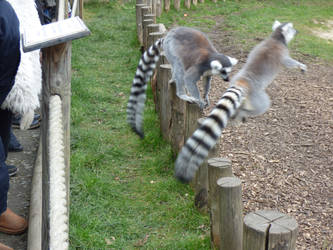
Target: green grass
[{"x": 123, "y": 194}]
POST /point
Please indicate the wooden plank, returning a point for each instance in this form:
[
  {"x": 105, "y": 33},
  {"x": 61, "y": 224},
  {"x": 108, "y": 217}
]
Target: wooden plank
[{"x": 231, "y": 213}]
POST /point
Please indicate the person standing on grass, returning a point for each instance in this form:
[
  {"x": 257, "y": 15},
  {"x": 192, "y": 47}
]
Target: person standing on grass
[{"x": 10, "y": 222}]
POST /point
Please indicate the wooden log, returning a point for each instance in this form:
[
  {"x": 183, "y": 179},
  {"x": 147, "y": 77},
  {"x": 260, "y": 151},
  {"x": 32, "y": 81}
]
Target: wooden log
[
  {"x": 145, "y": 23},
  {"x": 176, "y": 4},
  {"x": 178, "y": 123},
  {"x": 139, "y": 21},
  {"x": 217, "y": 168},
  {"x": 187, "y": 3},
  {"x": 200, "y": 181},
  {"x": 166, "y": 5},
  {"x": 159, "y": 8},
  {"x": 231, "y": 213},
  {"x": 268, "y": 230},
  {"x": 163, "y": 88}
]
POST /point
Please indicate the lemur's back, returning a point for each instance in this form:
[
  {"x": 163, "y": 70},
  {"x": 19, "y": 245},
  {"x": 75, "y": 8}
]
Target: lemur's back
[
  {"x": 263, "y": 63},
  {"x": 187, "y": 44}
]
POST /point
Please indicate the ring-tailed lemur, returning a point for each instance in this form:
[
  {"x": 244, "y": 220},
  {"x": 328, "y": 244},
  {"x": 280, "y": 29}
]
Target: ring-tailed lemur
[
  {"x": 245, "y": 97},
  {"x": 191, "y": 56}
]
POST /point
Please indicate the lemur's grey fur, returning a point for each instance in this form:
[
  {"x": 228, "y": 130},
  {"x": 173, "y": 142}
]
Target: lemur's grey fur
[
  {"x": 191, "y": 56},
  {"x": 245, "y": 97}
]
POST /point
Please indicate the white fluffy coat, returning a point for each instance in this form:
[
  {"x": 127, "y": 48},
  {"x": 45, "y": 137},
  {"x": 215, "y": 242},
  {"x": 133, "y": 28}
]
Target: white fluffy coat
[{"x": 23, "y": 99}]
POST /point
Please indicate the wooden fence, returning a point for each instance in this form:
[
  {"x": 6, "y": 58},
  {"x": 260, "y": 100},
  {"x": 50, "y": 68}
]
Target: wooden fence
[
  {"x": 49, "y": 210},
  {"x": 217, "y": 191}
]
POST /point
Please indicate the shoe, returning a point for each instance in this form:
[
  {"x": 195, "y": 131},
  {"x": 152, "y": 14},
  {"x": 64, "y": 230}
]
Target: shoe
[
  {"x": 12, "y": 170},
  {"x": 35, "y": 122},
  {"x": 14, "y": 145},
  {"x": 4, "y": 247},
  {"x": 11, "y": 223}
]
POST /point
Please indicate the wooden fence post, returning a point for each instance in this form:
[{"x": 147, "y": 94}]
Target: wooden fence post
[
  {"x": 176, "y": 4},
  {"x": 159, "y": 8},
  {"x": 187, "y": 3},
  {"x": 268, "y": 230},
  {"x": 177, "y": 125},
  {"x": 195, "y": 2},
  {"x": 56, "y": 81},
  {"x": 166, "y": 5},
  {"x": 200, "y": 181},
  {"x": 231, "y": 213},
  {"x": 139, "y": 21},
  {"x": 145, "y": 23},
  {"x": 152, "y": 38},
  {"x": 163, "y": 99},
  {"x": 217, "y": 168}
]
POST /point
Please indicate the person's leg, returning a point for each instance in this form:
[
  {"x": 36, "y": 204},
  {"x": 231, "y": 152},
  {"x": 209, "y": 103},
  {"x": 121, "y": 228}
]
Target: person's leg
[
  {"x": 4, "y": 180},
  {"x": 5, "y": 126}
]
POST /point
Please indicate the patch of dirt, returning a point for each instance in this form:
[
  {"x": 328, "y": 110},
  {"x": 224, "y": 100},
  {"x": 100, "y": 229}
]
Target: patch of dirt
[
  {"x": 325, "y": 34},
  {"x": 285, "y": 156}
]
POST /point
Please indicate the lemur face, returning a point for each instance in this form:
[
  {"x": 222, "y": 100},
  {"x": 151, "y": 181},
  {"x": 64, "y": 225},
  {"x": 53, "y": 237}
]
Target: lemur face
[
  {"x": 287, "y": 30},
  {"x": 218, "y": 69}
]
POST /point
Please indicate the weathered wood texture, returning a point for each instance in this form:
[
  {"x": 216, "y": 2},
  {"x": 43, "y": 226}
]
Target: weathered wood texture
[
  {"x": 144, "y": 11},
  {"x": 176, "y": 4},
  {"x": 159, "y": 8},
  {"x": 164, "y": 100},
  {"x": 195, "y": 2},
  {"x": 231, "y": 213},
  {"x": 187, "y": 3},
  {"x": 145, "y": 23},
  {"x": 166, "y": 5},
  {"x": 200, "y": 181},
  {"x": 217, "y": 168},
  {"x": 152, "y": 29},
  {"x": 139, "y": 21},
  {"x": 56, "y": 66},
  {"x": 152, "y": 38},
  {"x": 268, "y": 230}
]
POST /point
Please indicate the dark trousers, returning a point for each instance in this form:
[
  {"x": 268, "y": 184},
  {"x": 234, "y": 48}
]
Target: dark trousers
[{"x": 5, "y": 125}]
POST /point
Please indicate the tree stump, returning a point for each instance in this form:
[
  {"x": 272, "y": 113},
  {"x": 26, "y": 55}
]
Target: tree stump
[{"x": 268, "y": 230}]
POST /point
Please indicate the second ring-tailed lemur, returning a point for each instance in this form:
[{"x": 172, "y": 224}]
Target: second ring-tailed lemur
[
  {"x": 245, "y": 97},
  {"x": 191, "y": 56}
]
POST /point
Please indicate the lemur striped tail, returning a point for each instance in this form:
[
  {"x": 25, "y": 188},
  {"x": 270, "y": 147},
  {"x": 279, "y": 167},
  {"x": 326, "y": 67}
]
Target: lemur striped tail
[
  {"x": 197, "y": 147},
  {"x": 144, "y": 71}
]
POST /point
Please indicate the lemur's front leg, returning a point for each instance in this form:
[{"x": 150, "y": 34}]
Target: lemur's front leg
[{"x": 292, "y": 63}]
